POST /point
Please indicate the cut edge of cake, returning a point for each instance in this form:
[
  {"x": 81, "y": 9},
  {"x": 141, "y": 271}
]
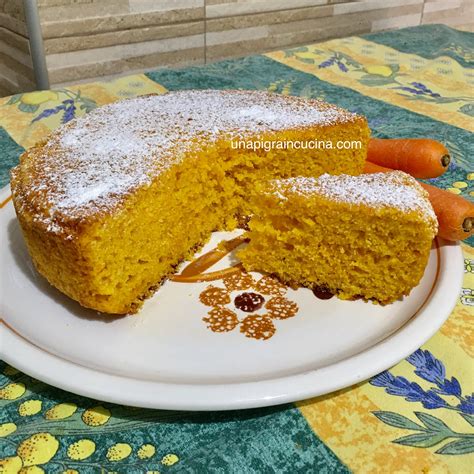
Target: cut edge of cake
[{"x": 343, "y": 233}]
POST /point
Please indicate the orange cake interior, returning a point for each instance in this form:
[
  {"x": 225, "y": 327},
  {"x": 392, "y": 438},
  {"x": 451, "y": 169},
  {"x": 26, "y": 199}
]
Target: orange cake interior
[
  {"x": 366, "y": 236},
  {"x": 111, "y": 202}
]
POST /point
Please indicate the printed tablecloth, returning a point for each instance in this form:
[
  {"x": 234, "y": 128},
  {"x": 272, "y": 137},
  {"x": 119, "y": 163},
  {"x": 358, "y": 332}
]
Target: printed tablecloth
[{"x": 417, "y": 417}]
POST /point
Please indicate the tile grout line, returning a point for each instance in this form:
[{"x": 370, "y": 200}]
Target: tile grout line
[{"x": 422, "y": 12}]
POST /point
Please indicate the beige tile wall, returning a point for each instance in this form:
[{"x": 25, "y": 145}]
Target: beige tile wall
[
  {"x": 90, "y": 38},
  {"x": 456, "y": 13},
  {"x": 16, "y": 68},
  {"x": 86, "y": 39},
  {"x": 234, "y": 28}
]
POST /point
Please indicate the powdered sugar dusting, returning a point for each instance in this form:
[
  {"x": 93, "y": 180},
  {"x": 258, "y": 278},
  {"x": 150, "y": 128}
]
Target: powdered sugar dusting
[
  {"x": 89, "y": 164},
  {"x": 395, "y": 189}
]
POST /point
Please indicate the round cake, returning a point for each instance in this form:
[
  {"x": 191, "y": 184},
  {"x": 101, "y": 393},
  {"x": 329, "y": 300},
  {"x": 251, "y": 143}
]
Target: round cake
[{"x": 113, "y": 201}]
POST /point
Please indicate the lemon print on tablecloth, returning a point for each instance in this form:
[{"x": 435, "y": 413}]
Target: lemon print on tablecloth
[
  {"x": 470, "y": 176},
  {"x": 12, "y": 391},
  {"x": 11, "y": 465},
  {"x": 81, "y": 449},
  {"x": 119, "y": 451},
  {"x": 96, "y": 416},
  {"x": 61, "y": 411},
  {"x": 458, "y": 186},
  {"x": 70, "y": 471},
  {"x": 32, "y": 470},
  {"x": 39, "y": 97},
  {"x": 146, "y": 451},
  {"x": 169, "y": 459},
  {"x": 30, "y": 407},
  {"x": 37, "y": 449},
  {"x": 7, "y": 429},
  {"x": 379, "y": 70}
]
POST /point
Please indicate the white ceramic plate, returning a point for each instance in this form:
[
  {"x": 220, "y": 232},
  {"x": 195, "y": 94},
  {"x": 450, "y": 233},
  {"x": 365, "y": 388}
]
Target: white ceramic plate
[{"x": 166, "y": 356}]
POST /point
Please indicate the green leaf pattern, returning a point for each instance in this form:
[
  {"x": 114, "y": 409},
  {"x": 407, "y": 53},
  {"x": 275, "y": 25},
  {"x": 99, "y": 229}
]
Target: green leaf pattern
[
  {"x": 433, "y": 432},
  {"x": 421, "y": 440}
]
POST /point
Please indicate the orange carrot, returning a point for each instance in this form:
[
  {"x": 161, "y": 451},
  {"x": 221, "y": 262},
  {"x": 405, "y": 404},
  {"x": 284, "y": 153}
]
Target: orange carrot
[
  {"x": 420, "y": 157},
  {"x": 455, "y": 214}
]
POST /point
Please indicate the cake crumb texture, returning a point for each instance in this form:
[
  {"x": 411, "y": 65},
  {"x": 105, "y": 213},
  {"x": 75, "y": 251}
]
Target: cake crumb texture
[
  {"x": 111, "y": 202},
  {"x": 366, "y": 236}
]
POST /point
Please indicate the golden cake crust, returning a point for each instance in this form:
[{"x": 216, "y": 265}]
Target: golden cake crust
[
  {"x": 89, "y": 166},
  {"x": 376, "y": 191}
]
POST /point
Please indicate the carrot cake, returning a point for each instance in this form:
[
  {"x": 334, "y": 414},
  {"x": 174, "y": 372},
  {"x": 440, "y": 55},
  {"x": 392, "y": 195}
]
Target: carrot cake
[
  {"x": 111, "y": 202},
  {"x": 366, "y": 236}
]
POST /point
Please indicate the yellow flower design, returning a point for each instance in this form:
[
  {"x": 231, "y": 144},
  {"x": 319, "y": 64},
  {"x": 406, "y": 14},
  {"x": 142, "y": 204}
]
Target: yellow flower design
[
  {"x": 38, "y": 97},
  {"x": 61, "y": 411},
  {"x": 119, "y": 451},
  {"x": 70, "y": 471},
  {"x": 470, "y": 176},
  {"x": 454, "y": 190},
  {"x": 96, "y": 416},
  {"x": 12, "y": 391},
  {"x": 38, "y": 449},
  {"x": 81, "y": 449},
  {"x": 146, "y": 451},
  {"x": 11, "y": 465},
  {"x": 6, "y": 429},
  {"x": 169, "y": 459},
  {"x": 30, "y": 407},
  {"x": 460, "y": 185},
  {"x": 379, "y": 70}
]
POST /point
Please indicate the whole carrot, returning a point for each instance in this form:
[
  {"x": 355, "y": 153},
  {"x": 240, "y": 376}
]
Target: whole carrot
[
  {"x": 455, "y": 214},
  {"x": 420, "y": 157}
]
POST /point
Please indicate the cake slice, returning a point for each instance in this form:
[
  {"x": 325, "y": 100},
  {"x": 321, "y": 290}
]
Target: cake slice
[{"x": 366, "y": 236}]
